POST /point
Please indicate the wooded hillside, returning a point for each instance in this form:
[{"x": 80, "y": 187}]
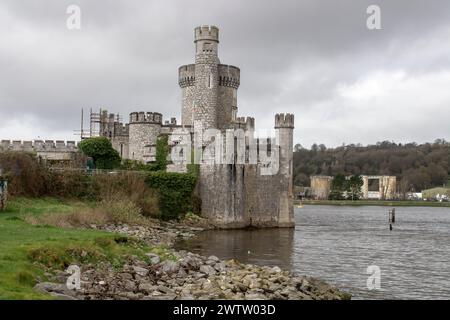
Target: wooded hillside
[{"x": 417, "y": 167}]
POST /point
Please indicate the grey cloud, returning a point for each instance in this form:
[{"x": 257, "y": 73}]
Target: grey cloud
[{"x": 294, "y": 56}]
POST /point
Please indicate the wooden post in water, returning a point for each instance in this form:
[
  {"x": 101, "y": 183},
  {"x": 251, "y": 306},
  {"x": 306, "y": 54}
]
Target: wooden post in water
[{"x": 391, "y": 218}]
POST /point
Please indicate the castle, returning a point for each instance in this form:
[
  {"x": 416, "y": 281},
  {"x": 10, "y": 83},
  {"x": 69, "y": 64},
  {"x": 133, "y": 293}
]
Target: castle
[
  {"x": 235, "y": 194},
  {"x": 252, "y": 186}
]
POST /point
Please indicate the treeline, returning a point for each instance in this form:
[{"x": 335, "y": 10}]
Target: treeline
[{"x": 417, "y": 167}]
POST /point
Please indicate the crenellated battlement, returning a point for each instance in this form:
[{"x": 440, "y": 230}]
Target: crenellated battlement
[
  {"x": 121, "y": 129},
  {"x": 246, "y": 123},
  {"x": 146, "y": 117},
  {"x": 38, "y": 145},
  {"x": 284, "y": 120},
  {"x": 206, "y": 33},
  {"x": 229, "y": 76},
  {"x": 186, "y": 75}
]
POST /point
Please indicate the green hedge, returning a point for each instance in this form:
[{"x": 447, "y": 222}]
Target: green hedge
[{"x": 175, "y": 191}]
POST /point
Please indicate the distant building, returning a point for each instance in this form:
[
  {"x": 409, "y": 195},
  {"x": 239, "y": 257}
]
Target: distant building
[
  {"x": 374, "y": 187},
  {"x": 320, "y": 187}
]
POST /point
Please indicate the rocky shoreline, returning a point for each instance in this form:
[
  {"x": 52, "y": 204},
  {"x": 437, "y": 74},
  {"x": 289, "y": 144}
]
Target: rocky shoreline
[{"x": 185, "y": 275}]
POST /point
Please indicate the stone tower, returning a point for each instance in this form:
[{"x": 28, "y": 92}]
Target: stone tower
[
  {"x": 284, "y": 128},
  {"x": 144, "y": 129},
  {"x": 209, "y": 89}
]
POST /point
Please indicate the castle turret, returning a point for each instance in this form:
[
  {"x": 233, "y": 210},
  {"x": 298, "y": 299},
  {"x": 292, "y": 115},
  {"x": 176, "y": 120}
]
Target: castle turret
[
  {"x": 284, "y": 127},
  {"x": 144, "y": 128},
  {"x": 206, "y": 76},
  {"x": 209, "y": 89}
]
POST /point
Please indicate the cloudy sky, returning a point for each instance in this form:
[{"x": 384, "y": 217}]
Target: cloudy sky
[{"x": 316, "y": 59}]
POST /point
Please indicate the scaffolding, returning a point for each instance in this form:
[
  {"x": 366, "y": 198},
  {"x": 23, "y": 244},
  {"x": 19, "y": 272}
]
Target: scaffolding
[{"x": 93, "y": 129}]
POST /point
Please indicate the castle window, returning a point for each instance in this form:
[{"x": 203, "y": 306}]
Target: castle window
[{"x": 210, "y": 81}]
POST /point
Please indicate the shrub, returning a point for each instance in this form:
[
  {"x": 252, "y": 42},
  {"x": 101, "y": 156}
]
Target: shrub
[
  {"x": 28, "y": 177},
  {"x": 127, "y": 186},
  {"x": 175, "y": 192},
  {"x": 101, "y": 150},
  {"x": 68, "y": 184},
  {"x": 123, "y": 211}
]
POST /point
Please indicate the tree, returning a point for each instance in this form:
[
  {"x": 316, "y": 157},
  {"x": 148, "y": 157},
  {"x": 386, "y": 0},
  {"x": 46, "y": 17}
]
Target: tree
[
  {"x": 354, "y": 184},
  {"x": 338, "y": 186},
  {"x": 421, "y": 165},
  {"x": 101, "y": 151}
]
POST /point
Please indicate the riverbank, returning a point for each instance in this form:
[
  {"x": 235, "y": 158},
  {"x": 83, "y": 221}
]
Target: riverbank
[
  {"x": 124, "y": 261},
  {"x": 389, "y": 203}
]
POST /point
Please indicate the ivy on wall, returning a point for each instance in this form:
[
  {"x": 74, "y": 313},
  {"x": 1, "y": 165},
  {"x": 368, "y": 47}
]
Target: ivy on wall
[{"x": 175, "y": 192}]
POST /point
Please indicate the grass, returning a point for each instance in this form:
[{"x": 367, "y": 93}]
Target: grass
[
  {"x": 406, "y": 203},
  {"x": 27, "y": 250}
]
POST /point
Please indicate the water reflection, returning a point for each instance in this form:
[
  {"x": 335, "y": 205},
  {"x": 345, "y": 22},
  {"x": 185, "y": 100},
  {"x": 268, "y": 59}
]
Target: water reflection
[{"x": 266, "y": 247}]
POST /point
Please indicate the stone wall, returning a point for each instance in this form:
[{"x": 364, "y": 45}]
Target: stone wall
[
  {"x": 241, "y": 195},
  {"x": 58, "y": 150}
]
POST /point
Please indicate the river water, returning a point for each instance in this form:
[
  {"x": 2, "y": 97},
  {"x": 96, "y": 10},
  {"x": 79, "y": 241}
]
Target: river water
[{"x": 338, "y": 243}]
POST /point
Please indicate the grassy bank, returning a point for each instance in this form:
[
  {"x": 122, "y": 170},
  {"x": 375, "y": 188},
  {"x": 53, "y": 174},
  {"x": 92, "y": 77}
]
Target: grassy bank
[
  {"x": 27, "y": 250},
  {"x": 405, "y": 203}
]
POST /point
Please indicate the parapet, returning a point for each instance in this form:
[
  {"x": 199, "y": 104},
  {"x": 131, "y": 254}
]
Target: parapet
[
  {"x": 246, "y": 123},
  {"x": 284, "y": 120},
  {"x": 38, "y": 145},
  {"x": 146, "y": 117},
  {"x": 229, "y": 76},
  {"x": 206, "y": 33},
  {"x": 186, "y": 75}
]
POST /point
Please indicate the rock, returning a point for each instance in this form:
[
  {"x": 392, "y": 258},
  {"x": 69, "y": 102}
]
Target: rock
[
  {"x": 213, "y": 258},
  {"x": 206, "y": 269},
  {"x": 147, "y": 287},
  {"x": 140, "y": 271},
  {"x": 162, "y": 297},
  {"x": 126, "y": 276},
  {"x": 182, "y": 273},
  {"x": 276, "y": 269},
  {"x": 190, "y": 263},
  {"x": 165, "y": 290},
  {"x": 55, "y": 289},
  {"x": 254, "y": 296},
  {"x": 50, "y": 287},
  {"x": 153, "y": 258},
  {"x": 61, "y": 296},
  {"x": 130, "y": 285},
  {"x": 169, "y": 266},
  {"x": 220, "y": 266}
]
